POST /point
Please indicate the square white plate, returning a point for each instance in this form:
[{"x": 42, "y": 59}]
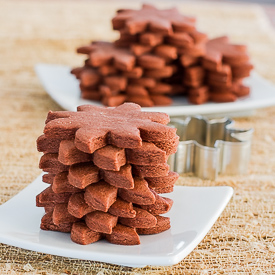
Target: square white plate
[
  {"x": 63, "y": 88},
  {"x": 194, "y": 212}
]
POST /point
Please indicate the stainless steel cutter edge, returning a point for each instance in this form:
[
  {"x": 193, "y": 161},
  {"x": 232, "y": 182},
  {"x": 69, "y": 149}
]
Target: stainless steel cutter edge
[{"x": 209, "y": 147}]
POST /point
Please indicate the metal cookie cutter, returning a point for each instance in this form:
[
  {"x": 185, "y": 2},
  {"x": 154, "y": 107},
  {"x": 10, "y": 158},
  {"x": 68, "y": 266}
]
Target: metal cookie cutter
[{"x": 209, "y": 147}]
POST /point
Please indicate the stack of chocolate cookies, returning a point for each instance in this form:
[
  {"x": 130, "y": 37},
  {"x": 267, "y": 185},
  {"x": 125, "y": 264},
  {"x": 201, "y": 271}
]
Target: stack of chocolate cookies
[
  {"x": 161, "y": 54},
  {"x": 220, "y": 76},
  {"x": 106, "y": 168}
]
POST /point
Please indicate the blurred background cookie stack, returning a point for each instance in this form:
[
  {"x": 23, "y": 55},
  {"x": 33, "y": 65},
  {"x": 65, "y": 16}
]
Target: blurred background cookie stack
[
  {"x": 220, "y": 73},
  {"x": 105, "y": 168},
  {"x": 160, "y": 54}
]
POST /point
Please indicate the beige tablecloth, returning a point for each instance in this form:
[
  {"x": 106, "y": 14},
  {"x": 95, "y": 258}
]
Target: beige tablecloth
[{"x": 242, "y": 239}]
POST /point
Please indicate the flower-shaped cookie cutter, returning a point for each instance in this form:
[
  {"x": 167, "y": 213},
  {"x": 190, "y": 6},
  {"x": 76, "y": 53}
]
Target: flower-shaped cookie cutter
[{"x": 209, "y": 147}]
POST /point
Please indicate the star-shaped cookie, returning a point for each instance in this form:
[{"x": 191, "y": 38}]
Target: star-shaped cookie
[
  {"x": 220, "y": 50},
  {"x": 149, "y": 18},
  {"x": 94, "y": 127},
  {"x": 102, "y": 53}
]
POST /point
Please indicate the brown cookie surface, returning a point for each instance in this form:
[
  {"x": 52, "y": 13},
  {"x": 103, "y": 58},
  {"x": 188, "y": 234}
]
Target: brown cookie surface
[
  {"x": 77, "y": 205},
  {"x": 83, "y": 174},
  {"x": 111, "y": 128},
  {"x": 48, "y": 198},
  {"x": 163, "y": 224},
  {"x": 47, "y": 145},
  {"x": 152, "y": 19},
  {"x": 147, "y": 154},
  {"x": 109, "y": 158},
  {"x": 161, "y": 206},
  {"x": 163, "y": 184},
  {"x": 48, "y": 178},
  {"x": 61, "y": 214},
  {"x": 102, "y": 53},
  {"x": 61, "y": 184},
  {"x": 47, "y": 224},
  {"x": 151, "y": 38},
  {"x": 122, "y": 208},
  {"x": 49, "y": 163},
  {"x": 143, "y": 219},
  {"x": 121, "y": 179},
  {"x": 123, "y": 235},
  {"x": 68, "y": 154},
  {"x": 101, "y": 222},
  {"x": 82, "y": 234},
  {"x": 140, "y": 194},
  {"x": 150, "y": 61},
  {"x": 156, "y": 170},
  {"x": 100, "y": 195},
  {"x": 220, "y": 50}
]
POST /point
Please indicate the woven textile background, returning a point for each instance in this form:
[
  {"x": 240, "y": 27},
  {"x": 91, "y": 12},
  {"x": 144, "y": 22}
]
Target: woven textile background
[{"x": 243, "y": 238}]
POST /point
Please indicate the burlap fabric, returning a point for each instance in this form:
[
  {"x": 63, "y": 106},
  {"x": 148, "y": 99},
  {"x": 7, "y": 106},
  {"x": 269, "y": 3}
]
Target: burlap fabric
[{"x": 243, "y": 238}]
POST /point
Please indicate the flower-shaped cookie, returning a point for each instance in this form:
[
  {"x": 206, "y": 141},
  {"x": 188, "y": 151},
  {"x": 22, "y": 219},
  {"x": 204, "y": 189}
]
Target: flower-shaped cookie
[
  {"x": 152, "y": 19},
  {"x": 94, "y": 127}
]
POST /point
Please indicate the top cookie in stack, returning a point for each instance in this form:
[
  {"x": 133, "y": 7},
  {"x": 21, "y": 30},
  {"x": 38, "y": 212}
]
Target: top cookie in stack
[{"x": 159, "y": 54}]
